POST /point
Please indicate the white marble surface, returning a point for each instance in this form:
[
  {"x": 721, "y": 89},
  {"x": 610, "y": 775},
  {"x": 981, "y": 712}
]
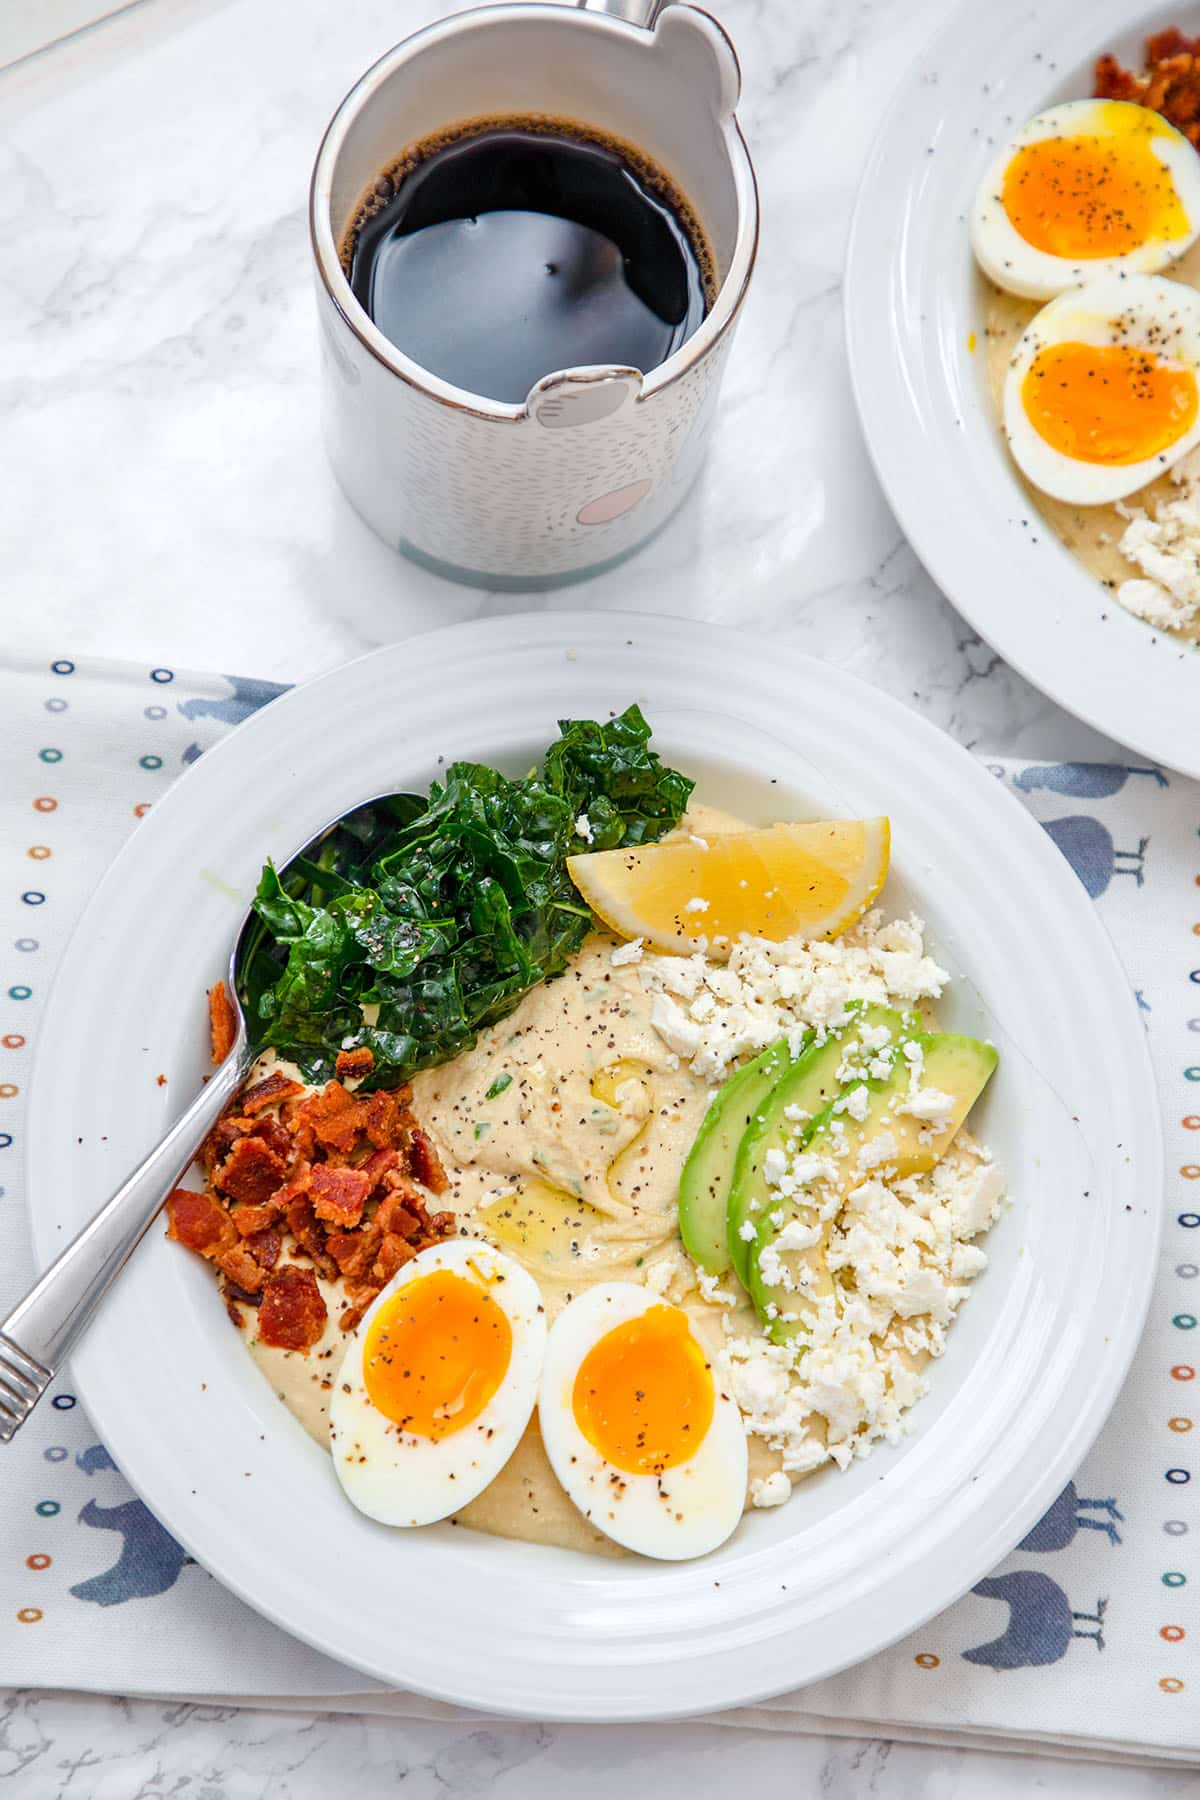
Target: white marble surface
[{"x": 164, "y": 496}]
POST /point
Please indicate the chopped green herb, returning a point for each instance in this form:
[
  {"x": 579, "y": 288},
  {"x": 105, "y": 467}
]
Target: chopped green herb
[
  {"x": 498, "y": 1086},
  {"x": 482, "y": 1129},
  {"x": 442, "y": 913}
]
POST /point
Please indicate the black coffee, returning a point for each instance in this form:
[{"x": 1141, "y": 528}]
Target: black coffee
[{"x": 505, "y": 249}]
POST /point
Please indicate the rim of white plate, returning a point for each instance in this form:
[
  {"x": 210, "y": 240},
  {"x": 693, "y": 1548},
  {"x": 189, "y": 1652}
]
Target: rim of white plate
[
  {"x": 853, "y": 1561},
  {"x": 912, "y": 298}
]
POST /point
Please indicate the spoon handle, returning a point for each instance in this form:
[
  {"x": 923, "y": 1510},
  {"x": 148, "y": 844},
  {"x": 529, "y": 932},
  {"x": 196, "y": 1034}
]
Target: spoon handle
[{"x": 43, "y": 1327}]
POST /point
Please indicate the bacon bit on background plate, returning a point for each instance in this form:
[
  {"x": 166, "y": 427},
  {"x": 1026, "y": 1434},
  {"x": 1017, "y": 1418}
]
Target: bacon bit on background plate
[
  {"x": 338, "y": 1180},
  {"x": 1169, "y": 84},
  {"x": 222, "y": 1021}
]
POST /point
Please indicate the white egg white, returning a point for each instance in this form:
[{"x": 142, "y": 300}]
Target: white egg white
[
  {"x": 1019, "y": 266},
  {"x": 400, "y": 1478},
  {"x": 1142, "y": 311},
  {"x": 688, "y": 1510}
]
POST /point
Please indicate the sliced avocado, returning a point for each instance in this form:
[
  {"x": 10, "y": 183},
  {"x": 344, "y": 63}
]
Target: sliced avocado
[
  {"x": 708, "y": 1171},
  {"x": 953, "y": 1065},
  {"x": 806, "y": 1088}
]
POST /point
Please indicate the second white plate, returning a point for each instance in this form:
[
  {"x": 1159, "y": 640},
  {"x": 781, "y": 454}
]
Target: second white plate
[{"x": 914, "y": 305}]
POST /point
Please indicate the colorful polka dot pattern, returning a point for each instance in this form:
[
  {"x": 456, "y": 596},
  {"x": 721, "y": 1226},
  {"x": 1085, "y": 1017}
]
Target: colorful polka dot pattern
[{"x": 39, "y": 849}]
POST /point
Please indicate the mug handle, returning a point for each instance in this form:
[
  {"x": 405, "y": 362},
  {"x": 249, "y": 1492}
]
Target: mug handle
[{"x": 634, "y": 12}]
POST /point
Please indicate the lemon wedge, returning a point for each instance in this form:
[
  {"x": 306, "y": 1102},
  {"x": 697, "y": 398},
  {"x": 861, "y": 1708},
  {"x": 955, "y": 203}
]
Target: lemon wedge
[{"x": 811, "y": 880}]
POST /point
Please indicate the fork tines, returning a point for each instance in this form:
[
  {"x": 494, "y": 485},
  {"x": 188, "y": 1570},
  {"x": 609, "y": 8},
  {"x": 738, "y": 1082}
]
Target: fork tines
[{"x": 22, "y": 1384}]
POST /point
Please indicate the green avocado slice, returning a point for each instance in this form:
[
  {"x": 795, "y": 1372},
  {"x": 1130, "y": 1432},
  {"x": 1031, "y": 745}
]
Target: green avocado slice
[
  {"x": 708, "y": 1171},
  {"x": 783, "y": 1286},
  {"x": 808, "y": 1087}
]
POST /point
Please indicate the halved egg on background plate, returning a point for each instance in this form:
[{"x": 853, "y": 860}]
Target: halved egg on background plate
[
  {"x": 636, "y": 1427},
  {"x": 1087, "y": 189},
  {"x": 1101, "y": 394},
  {"x": 438, "y": 1383}
]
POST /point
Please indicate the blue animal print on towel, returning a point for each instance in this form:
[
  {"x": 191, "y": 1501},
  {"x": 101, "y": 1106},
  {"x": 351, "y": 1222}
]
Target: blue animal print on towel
[
  {"x": 247, "y": 696},
  {"x": 93, "y": 1458},
  {"x": 150, "y": 1559},
  {"x": 1089, "y": 849},
  {"x": 1040, "y": 1625},
  {"x": 1083, "y": 781},
  {"x": 149, "y": 1562},
  {"x": 1059, "y": 1523}
]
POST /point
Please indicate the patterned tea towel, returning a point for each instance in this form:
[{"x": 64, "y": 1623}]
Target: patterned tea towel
[{"x": 1083, "y": 1639}]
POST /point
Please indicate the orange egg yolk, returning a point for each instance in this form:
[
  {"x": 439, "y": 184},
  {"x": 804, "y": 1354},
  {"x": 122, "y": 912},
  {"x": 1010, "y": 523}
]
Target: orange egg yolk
[
  {"x": 1093, "y": 196},
  {"x": 435, "y": 1354},
  {"x": 1108, "y": 403},
  {"x": 643, "y": 1394}
]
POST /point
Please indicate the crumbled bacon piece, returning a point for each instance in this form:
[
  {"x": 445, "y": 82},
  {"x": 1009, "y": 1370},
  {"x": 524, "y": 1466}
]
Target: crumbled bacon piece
[
  {"x": 387, "y": 1118},
  {"x": 393, "y": 1254},
  {"x": 377, "y": 1165},
  {"x": 199, "y": 1221},
  {"x": 293, "y": 1314},
  {"x": 336, "y": 1116},
  {"x": 222, "y": 1021},
  {"x": 264, "y": 1247},
  {"x": 354, "y": 1251},
  {"x": 339, "y": 1195},
  {"x": 308, "y": 1234},
  {"x": 334, "y": 1176},
  {"x": 250, "y": 1220},
  {"x": 352, "y": 1064},
  {"x": 403, "y": 1210},
  {"x": 426, "y": 1164},
  {"x": 273, "y": 1136},
  {"x": 251, "y": 1173},
  {"x": 273, "y": 1087},
  {"x": 239, "y": 1266}
]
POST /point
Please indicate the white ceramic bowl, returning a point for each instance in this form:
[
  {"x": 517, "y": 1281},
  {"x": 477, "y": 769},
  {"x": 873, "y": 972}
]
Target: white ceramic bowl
[
  {"x": 913, "y": 298},
  {"x": 853, "y": 1561}
]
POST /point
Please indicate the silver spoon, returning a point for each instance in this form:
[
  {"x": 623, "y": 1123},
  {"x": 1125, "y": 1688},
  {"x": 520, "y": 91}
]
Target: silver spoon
[{"x": 42, "y": 1329}]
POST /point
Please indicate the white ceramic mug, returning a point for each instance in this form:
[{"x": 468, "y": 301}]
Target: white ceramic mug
[{"x": 595, "y": 459}]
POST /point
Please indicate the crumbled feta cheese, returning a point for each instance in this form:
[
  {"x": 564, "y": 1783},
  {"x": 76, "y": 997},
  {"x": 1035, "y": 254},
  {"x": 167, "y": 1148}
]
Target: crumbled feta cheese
[
  {"x": 766, "y": 991},
  {"x": 930, "y": 1105},
  {"x": 770, "y": 1490},
  {"x": 627, "y": 953},
  {"x": 583, "y": 828},
  {"x": 901, "y": 1269},
  {"x": 1166, "y": 548},
  {"x": 775, "y": 1166},
  {"x": 747, "y": 1231},
  {"x": 712, "y": 1291},
  {"x": 796, "y": 1235},
  {"x": 880, "y": 1149},
  {"x": 857, "y": 1102},
  {"x": 677, "y": 1031},
  {"x": 669, "y": 1274},
  {"x": 697, "y": 904}
]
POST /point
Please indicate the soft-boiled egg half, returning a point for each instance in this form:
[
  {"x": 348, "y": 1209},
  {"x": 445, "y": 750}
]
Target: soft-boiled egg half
[
  {"x": 1086, "y": 189},
  {"x": 1101, "y": 392},
  {"x": 636, "y": 1427},
  {"x": 438, "y": 1384}
]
